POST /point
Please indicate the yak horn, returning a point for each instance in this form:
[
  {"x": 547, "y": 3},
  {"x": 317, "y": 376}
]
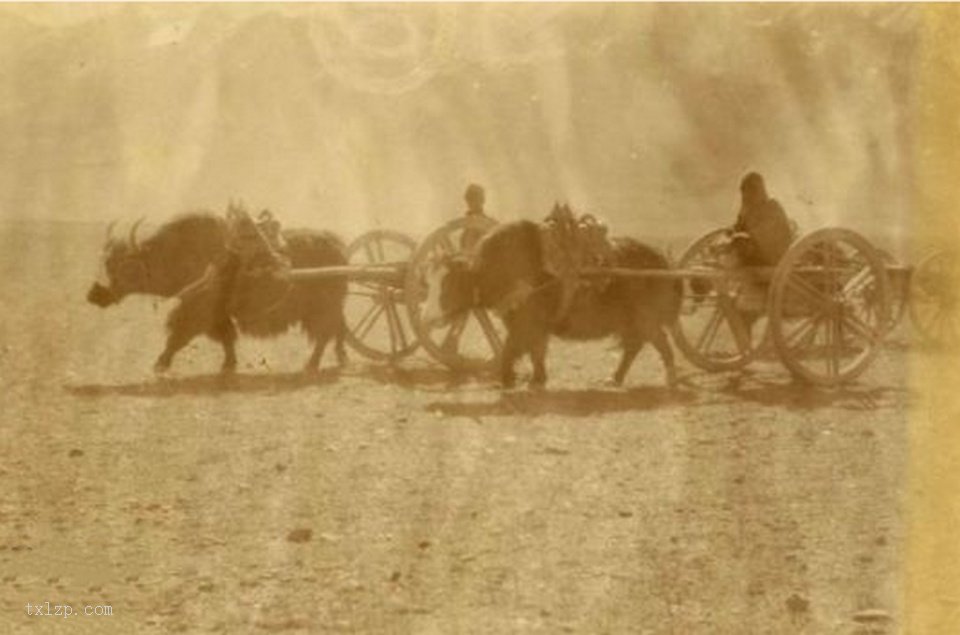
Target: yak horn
[
  {"x": 133, "y": 234},
  {"x": 110, "y": 227}
]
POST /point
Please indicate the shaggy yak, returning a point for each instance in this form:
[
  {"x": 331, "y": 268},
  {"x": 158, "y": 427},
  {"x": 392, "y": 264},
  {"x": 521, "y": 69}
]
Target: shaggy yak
[
  {"x": 507, "y": 274},
  {"x": 188, "y": 258}
]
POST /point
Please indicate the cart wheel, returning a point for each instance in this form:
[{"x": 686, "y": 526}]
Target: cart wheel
[
  {"x": 721, "y": 325},
  {"x": 377, "y": 327},
  {"x": 829, "y": 306},
  {"x": 934, "y": 309},
  {"x": 474, "y": 341}
]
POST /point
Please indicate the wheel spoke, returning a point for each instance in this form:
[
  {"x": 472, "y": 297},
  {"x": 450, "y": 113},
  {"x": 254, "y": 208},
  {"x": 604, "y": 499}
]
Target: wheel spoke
[
  {"x": 451, "y": 341},
  {"x": 741, "y": 334},
  {"x": 489, "y": 330},
  {"x": 862, "y": 329},
  {"x": 374, "y": 314},
  {"x": 805, "y": 289},
  {"x": 826, "y": 347},
  {"x": 801, "y": 334},
  {"x": 833, "y": 350},
  {"x": 810, "y": 341},
  {"x": 393, "y": 326},
  {"x": 858, "y": 281},
  {"x": 401, "y": 331},
  {"x": 709, "y": 331}
]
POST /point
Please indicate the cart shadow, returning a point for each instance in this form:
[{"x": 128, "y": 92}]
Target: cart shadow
[
  {"x": 773, "y": 391},
  {"x": 572, "y": 403}
]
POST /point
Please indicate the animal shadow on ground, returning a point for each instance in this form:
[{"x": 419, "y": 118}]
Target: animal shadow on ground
[
  {"x": 420, "y": 376},
  {"x": 574, "y": 403},
  {"x": 276, "y": 382},
  {"x": 209, "y": 384}
]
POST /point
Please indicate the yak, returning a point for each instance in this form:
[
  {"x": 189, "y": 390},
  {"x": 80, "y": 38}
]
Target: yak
[
  {"x": 507, "y": 273},
  {"x": 188, "y": 258}
]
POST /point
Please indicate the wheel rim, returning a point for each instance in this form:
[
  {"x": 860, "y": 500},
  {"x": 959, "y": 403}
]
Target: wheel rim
[
  {"x": 933, "y": 299},
  {"x": 377, "y": 325},
  {"x": 470, "y": 342},
  {"x": 829, "y": 306},
  {"x": 721, "y": 325}
]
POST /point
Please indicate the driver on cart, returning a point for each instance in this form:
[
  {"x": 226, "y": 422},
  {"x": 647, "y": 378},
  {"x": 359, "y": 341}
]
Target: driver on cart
[
  {"x": 760, "y": 237},
  {"x": 762, "y": 232},
  {"x": 475, "y": 197}
]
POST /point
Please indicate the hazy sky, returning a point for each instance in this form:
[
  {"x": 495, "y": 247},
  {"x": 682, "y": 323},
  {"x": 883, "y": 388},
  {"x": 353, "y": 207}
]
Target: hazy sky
[{"x": 354, "y": 116}]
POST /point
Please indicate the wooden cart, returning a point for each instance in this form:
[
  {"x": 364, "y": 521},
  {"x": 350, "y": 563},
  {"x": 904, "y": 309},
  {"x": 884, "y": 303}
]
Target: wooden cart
[{"x": 823, "y": 311}]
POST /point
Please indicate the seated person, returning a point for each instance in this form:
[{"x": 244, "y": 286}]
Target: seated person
[
  {"x": 762, "y": 232},
  {"x": 760, "y": 237},
  {"x": 475, "y": 198}
]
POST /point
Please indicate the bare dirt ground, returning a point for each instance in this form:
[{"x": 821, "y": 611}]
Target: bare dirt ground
[{"x": 379, "y": 500}]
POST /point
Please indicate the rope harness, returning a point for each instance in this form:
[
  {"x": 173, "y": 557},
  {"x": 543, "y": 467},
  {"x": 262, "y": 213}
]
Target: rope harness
[
  {"x": 570, "y": 245},
  {"x": 255, "y": 257}
]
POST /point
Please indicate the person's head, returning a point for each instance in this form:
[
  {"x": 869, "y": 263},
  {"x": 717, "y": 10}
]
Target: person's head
[
  {"x": 753, "y": 189},
  {"x": 475, "y": 198}
]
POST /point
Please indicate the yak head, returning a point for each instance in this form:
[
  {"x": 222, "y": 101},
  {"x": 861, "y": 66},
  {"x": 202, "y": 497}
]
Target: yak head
[
  {"x": 450, "y": 287},
  {"x": 122, "y": 269}
]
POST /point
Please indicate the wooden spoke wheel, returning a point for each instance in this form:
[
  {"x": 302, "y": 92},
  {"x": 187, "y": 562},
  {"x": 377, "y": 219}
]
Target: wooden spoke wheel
[
  {"x": 934, "y": 309},
  {"x": 722, "y": 323},
  {"x": 473, "y": 341},
  {"x": 829, "y": 306},
  {"x": 377, "y": 325}
]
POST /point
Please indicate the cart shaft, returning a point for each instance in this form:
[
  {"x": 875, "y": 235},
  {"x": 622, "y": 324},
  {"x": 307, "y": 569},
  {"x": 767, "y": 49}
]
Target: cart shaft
[{"x": 388, "y": 274}]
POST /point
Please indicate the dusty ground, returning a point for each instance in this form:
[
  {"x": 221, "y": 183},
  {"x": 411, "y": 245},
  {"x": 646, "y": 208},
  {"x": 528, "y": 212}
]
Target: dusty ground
[{"x": 394, "y": 501}]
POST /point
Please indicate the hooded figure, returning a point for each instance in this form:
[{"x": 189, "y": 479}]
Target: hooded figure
[
  {"x": 762, "y": 233},
  {"x": 475, "y": 198}
]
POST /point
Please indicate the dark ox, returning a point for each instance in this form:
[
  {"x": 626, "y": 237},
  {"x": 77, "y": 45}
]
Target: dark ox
[
  {"x": 176, "y": 261},
  {"x": 507, "y": 275}
]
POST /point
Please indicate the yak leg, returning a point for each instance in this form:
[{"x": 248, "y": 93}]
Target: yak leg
[
  {"x": 176, "y": 340},
  {"x": 658, "y": 337},
  {"x": 527, "y": 334},
  {"x": 516, "y": 344},
  {"x": 320, "y": 330},
  {"x": 631, "y": 347},
  {"x": 200, "y": 311},
  {"x": 512, "y": 351},
  {"x": 314, "y": 362},
  {"x": 226, "y": 333},
  {"x": 538, "y": 356}
]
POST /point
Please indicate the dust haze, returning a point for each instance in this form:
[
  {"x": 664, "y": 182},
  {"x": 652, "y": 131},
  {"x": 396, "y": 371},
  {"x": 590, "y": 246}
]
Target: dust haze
[{"x": 355, "y": 116}]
